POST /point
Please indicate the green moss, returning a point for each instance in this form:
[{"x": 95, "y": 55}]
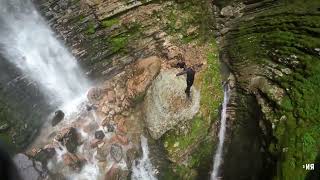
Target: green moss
[
  {"x": 110, "y": 22},
  {"x": 91, "y": 29},
  {"x": 118, "y": 43},
  {"x": 189, "y": 14},
  {"x": 286, "y": 35}
]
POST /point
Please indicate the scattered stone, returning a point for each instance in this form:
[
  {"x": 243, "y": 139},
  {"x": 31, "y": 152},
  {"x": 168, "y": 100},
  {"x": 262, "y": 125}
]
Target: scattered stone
[
  {"x": 227, "y": 11},
  {"x": 94, "y": 95},
  {"x": 132, "y": 154},
  {"x": 43, "y": 154},
  {"x": 121, "y": 127},
  {"x": 192, "y": 30},
  {"x": 99, "y": 135},
  {"x": 103, "y": 151},
  {"x": 110, "y": 127},
  {"x": 58, "y": 117},
  {"x": 116, "y": 173},
  {"x": 105, "y": 109},
  {"x": 74, "y": 161},
  {"x": 111, "y": 96},
  {"x": 116, "y": 152},
  {"x": 69, "y": 138},
  {"x": 89, "y": 107},
  {"x": 122, "y": 139},
  {"x": 95, "y": 142}
]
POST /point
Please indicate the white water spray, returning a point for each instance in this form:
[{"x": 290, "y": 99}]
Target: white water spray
[
  {"x": 143, "y": 169},
  {"x": 28, "y": 43},
  {"x": 218, "y": 156}
]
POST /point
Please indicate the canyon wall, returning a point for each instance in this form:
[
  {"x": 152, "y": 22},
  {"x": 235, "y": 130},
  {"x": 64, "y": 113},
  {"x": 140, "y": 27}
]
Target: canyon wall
[{"x": 272, "y": 50}]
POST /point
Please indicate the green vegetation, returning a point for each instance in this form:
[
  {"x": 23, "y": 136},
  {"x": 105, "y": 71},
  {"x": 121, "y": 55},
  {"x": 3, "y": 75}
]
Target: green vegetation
[
  {"x": 110, "y": 22},
  {"x": 192, "y": 20},
  {"x": 287, "y": 35},
  {"x": 118, "y": 43},
  {"x": 197, "y": 140},
  {"x": 91, "y": 29}
]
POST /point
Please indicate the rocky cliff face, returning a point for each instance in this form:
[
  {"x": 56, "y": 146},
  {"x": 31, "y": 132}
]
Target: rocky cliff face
[
  {"x": 22, "y": 106},
  {"x": 272, "y": 49}
]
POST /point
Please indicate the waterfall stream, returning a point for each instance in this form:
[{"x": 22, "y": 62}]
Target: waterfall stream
[
  {"x": 218, "y": 155},
  {"x": 28, "y": 42},
  {"x": 143, "y": 169}
]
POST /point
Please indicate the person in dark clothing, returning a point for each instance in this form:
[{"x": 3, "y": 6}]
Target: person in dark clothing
[
  {"x": 190, "y": 71},
  {"x": 181, "y": 65}
]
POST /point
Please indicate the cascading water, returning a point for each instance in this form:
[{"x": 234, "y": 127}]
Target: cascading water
[
  {"x": 218, "y": 156},
  {"x": 28, "y": 43},
  {"x": 143, "y": 169}
]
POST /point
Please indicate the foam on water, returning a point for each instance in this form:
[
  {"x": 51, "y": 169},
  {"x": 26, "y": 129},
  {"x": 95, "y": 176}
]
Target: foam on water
[{"x": 28, "y": 42}]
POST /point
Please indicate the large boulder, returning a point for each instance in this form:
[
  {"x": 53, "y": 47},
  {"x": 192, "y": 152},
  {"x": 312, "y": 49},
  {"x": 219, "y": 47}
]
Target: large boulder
[
  {"x": 29, "y": 169},
  {"x": 145, "y": 70},
  {"x": 166, "y": 103}
]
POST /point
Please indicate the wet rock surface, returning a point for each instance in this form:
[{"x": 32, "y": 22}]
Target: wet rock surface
[
  {"x": 69, "y": 138},
  {"x": 99, "y": 135},
  {"x": 28, "y": 168},
  {"x": 73, "y": 161},
  {"x": 57, "y": 117}
]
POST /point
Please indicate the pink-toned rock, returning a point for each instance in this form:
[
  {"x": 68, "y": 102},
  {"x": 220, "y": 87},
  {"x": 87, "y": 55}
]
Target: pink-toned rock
[
  {"x": 95, "y": 142},
  {"x": 121, "y": 139},
  {"x": 105, "y": 109},
  {"x": 73, "y": 161},
  {"x": 121, "y": 127},
  {"x": 145, "y": 70},
  {"x": 111, "y": 96}
]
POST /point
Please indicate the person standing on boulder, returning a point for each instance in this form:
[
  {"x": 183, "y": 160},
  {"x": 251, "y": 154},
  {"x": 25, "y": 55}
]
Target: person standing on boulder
[{"x": 190, "y": 71}]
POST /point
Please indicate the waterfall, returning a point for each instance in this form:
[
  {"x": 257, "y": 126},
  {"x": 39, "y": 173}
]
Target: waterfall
[
  {"x": 28, "y": 43},
  {"x": 218, "y": 156},
  {"x": 143, "y": 169}
]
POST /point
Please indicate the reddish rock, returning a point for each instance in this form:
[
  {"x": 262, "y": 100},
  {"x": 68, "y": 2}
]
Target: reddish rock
[
  {"x": 69, "y": 138},
  {"x": 121, "y": 139},
  {"x": 111, "y": 96},
  {"x": 95, "y": 142},
  {"x": 145, "y": 70},
  {"x": 116, "y": 173},
  {"x": 43, "y": 154},
  {"x": 121, "y": 127},
  {"x": 73, "y": 161}
]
